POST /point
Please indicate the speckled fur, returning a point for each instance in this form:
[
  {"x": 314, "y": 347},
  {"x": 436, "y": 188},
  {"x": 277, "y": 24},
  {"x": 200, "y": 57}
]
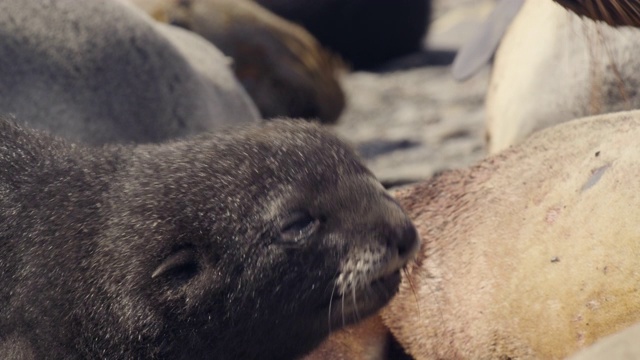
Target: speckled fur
[{"x": 82, "y": 231}]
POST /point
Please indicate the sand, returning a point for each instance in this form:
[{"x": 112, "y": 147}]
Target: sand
[{"x": 411, "y": 119}]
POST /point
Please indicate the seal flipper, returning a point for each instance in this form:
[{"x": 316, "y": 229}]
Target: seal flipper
[{"x": 477, "y": 52}]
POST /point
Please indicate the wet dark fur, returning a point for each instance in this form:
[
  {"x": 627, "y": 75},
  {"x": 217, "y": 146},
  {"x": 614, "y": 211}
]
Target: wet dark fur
[{"x": 186, "y": 250}]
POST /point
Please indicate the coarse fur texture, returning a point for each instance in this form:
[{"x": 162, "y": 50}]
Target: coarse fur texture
[
  {"x": 612, "y": 12},
  {"x": 569, "y": 68},
  {"x": 366, "y": 340},
  {"x": 366, "y": 33},
  {"x": 105, "y": 72},
  {"x": 283, "y": 68},
  {"x": 251, "y": 244},
  {"x": 531, "y": 254}
]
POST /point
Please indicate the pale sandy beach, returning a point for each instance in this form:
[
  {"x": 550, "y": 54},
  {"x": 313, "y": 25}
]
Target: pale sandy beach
[{"x": 413, "y": 119}]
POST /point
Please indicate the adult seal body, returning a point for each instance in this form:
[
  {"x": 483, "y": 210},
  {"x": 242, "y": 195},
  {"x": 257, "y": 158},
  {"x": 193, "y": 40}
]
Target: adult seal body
[
  {"x": 246, "y": 245},
  {"x": 531, "y": 253},
  {"x": 575, "y": 67},
  {"x": 105, "y": 72},
  {"x": 283, "y": 68}
]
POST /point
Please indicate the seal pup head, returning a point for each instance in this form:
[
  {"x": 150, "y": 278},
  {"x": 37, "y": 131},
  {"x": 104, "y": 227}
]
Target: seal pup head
[{"x": 250, "y": 245}]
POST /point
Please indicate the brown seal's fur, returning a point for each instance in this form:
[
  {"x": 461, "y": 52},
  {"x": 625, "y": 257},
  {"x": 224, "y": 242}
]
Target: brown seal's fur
[
  {"x": 613, "y": 12},
  {"x": 366, "y": 340},
  {"x": 283, "y": 68},
  {"x": 250, "y": 244},
  {"x": 530, "y": 254}
]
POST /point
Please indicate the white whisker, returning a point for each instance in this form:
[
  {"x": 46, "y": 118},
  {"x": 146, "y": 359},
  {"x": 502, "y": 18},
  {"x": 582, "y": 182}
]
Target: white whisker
[
  {"x": 330, "y": 302},
  {"x": 355, "y": 303},
  {"x": 344, "y": 323}
]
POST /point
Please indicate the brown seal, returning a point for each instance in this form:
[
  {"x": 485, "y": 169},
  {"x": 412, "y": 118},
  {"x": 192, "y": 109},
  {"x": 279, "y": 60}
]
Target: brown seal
[
  {"x": 366, "y": 340},
  {"x": 283, "y": 68},
  {"x": 251, "y": 244}
]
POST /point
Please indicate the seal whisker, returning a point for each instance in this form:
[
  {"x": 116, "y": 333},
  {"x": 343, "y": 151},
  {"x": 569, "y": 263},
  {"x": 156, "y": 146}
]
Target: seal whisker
[
  {"x": 413, "y": 289},
  {"x": 355, "y": 302},
  {"x": 344, "y": 323},
  {"x": 330, "y": 303}
]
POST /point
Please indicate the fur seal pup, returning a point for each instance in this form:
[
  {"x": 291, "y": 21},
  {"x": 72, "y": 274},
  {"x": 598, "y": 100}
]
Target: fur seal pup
[
  {"x": 575, "y": 67},
  {"x": 366, "y": 33},
  {"x": 104, "y": 72},
  {"x": 253, "y": 244},
  {"x": 530, "y": 254},
  {"x": 283, "y": 68}
]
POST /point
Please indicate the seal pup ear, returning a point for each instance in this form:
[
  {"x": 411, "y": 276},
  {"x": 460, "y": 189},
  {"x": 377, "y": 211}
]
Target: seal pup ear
[{"x": 181, "y": 263}]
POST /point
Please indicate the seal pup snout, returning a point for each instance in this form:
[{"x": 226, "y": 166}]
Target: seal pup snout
[
  {"x": 382, "y": 241},
  {"x": 402, "y": 243}
]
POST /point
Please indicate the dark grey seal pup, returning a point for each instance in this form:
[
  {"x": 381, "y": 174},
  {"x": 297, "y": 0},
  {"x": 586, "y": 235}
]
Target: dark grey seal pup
[
  {"x": 103, "y": 71},
  {"x": 246, "y": 245}
]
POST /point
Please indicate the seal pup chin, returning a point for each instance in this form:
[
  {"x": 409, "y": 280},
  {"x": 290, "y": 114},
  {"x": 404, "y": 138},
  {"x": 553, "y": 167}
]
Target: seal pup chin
[{"x": 254, "y": 243}]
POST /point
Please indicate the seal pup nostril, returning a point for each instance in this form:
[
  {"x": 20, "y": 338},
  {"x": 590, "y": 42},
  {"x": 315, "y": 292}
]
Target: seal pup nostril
[
  {"x": 408, "y": 241},
  {"x": 403, "y": 241}
]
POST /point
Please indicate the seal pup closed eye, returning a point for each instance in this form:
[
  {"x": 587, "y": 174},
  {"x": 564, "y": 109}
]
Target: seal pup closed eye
[{"x": 246, "y": 245}]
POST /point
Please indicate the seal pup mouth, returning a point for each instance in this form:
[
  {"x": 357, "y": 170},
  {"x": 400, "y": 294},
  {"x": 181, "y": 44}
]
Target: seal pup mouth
[
  {"x": 346, "y": 308},
  {"x": 368, "y": 281}
]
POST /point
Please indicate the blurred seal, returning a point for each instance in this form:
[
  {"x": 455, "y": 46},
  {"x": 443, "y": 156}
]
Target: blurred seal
[
  {"x": 104, "y": 72},
  {"x": 283, "y": 68}
]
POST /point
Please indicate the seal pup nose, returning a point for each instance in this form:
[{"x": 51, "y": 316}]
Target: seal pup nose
[
  {"x": 407, "y": 241},
  {"x": 402, "y": 242}
]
